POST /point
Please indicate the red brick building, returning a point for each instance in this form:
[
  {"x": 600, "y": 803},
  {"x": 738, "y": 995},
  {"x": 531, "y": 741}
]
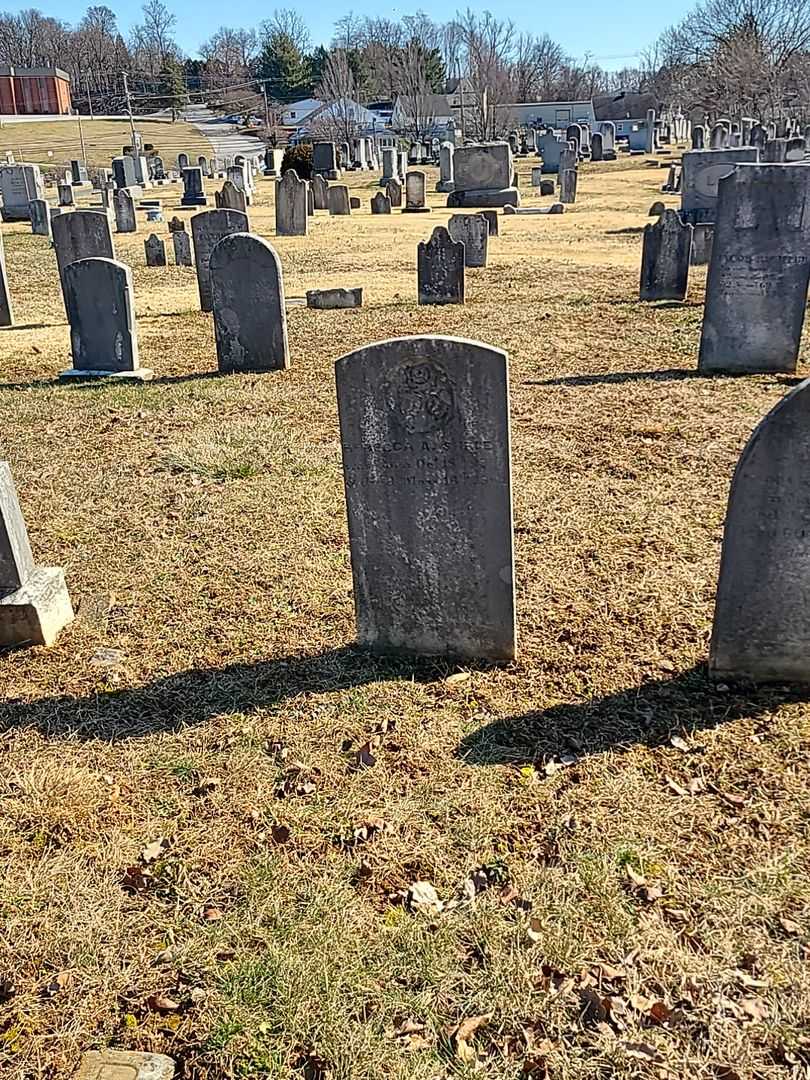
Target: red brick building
[{"x": 31, "y": 91}]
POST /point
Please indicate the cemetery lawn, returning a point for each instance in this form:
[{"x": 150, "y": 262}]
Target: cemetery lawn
[
  {"x": 217, "y": 817},
  {"x": 103, "y": 140}
]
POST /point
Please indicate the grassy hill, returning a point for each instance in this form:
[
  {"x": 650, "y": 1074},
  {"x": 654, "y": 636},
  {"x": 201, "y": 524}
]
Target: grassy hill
[{"x": 103, "y": 139}]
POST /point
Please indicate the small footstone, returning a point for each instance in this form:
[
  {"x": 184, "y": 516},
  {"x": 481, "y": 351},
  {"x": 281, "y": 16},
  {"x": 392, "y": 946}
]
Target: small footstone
[
  {"x": 124, "y": 1065},
  {"x": 327, "y": 299},
  {"x": 354, "y": 202}
]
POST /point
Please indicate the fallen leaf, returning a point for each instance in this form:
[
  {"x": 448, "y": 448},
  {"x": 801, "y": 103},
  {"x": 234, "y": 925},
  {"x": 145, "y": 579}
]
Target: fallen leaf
[
  {"x": 364, "y": 758},
  {"x": 162, "y": 1003},
  {"x": 673, "y": 785},
  {"x": 457, "y": 678},
  {"x": 659, "y": 1012},
  {"x": 60, "y": 981},
  {"x": 422, "y": 896},
  {"x": 280, "y": 833},
  {"x": 643, "y": 1052},
  {"x": 534, "y": 931},
  {"x": 680, "y": 744},
  {"x": 136, "y": 879},
  {"x": 789, "y": 926},
  {"x": 755, "y": 1008},
  {"x": 212, "y": 914},
  {"x": 594, "y": 1008}
]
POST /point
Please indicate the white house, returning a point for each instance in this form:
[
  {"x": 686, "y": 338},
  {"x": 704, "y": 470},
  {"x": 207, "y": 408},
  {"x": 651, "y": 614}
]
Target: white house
[
  {"x": 294, "y": 114},
  {"x": 433, "y": 112}
]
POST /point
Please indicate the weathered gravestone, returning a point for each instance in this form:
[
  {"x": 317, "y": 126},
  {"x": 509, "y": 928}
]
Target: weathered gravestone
[
  {"x": 390, "y": 165},
  {"x": 155, "y": 251},
  {"x": 320, "y": 192},
  {"x": 40, "y": 218},
  {"x": 65, "y": 194},
  {"x": 761, "y": 627},
  {"x": 697, "y": 137},
  {"x": 273, "y": 156},
  {"x": 207, "y": 229},
  {"x": 124, "y": 207},
  {"x": 472, "y": 231},
  {"x": 230, "y": 198},
  {"x": 380, "y": 204},
  {"x": 665, "y": 258},
  {"x": 440, "y": 269},
  {"x": 491, "y": 218},
  {"x": 193, "y": 191},
  {"x": 250, "y": 322},
  {"x": 415, "y": 193},
  {"x": 446, "y": 182},
  {"x": 718, "y": 137},
  {"x": 393, "y": 189},
  {"x": 424, "y": 426},
  {"x": 597, "y": 153},
  {"x": 34, "y": 601},
  {"x": 124, "y": 1065},
  {"x": 334, "y": 299},
  {"x": 338, "y": 199},
  {"x": 182, "y": 248},
  {"x": 291, "y": 205},
  {"x": 701, "y": 172},
  {"x": 124, "y": 171},
  {"x": 78, "y": 171},
  {"x": 101, "y": 312},
  {"x": 84, "y": 234},
  {"x": 483, "y": 176},
  {"x": 568, "y": 185},
  {"x": 324, "y": 160},
  {"x": 6, "y": 309},
  {"x": 774, "y": 151},
  {"x": 756, "y": 290},
  {"x": 19, "y": 184},
  {"x": 182, "y": 161}
]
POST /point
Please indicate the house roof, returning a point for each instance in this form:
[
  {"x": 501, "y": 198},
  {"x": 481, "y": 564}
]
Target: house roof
[
  {"x": 623, "y": 105},
  {"x": 430, "y": 104}
]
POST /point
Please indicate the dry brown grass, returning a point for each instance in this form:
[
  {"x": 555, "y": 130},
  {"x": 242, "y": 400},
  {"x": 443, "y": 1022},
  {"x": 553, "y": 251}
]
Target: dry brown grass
[
  {"x": 103, "y": 140},
  {"x": 211, "y": 511}
]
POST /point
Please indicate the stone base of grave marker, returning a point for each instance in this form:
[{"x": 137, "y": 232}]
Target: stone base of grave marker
[
  {"x": 445, "y": 186},
  {"x": 77, "y": 374},
  {"x": 328, "y": 299},
  {"x": 416, "y": 209},
  {"x": 124, "y": 1065},
  {"x": 483, "y": 198},
  {"x": 37, "y": 612}
]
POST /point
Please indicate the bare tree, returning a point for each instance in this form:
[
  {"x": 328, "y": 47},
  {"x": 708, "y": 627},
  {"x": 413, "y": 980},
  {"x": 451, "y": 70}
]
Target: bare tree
[
  {"x": 414, "y": 92},
  {"x": 338, "y": 120}
]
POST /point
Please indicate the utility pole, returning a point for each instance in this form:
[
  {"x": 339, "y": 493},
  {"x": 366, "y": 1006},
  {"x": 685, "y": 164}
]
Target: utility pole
[
  {"x": 266, "y": 107},
  {"x": 129, "y": 110},
  {"x": 89, "y": 99},
  {"x": 81, "y": 139}
]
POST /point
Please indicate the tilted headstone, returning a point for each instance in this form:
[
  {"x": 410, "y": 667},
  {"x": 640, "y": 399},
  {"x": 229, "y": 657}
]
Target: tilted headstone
[
  {"x": 230, "y": 198},
  {"x": 393, "y": 189},
  {"x": 761, "y": 628},
  {"x": 446, "y": 181},
  {"x": 6, "y": 309},
  {"x": 380, "y": 204},
  {"x": 34, "y": 601},
  {"x": 320, "y": 192},
  {"x": 473, "y": 232},
  {"x": 193, "y": 191},
  {"x": 19, "y": 185},
  {"x": 424, "y": 427},
  {"x": 440, "y": 269},
  {"x": 250, "y": 323},
  {"x": 101, "y": 312},
  {"x": 415, "y": 187},
  {"x": 182, "y": 248},
  {"x": 338, "y": 198},
  {"x": 83, "y": 234},
  {"x": 568, "y": 185},
  {"x": 207, "y": 229},
  {"x": 665, "y": 258},
  {"x": 124, "y": 207},
  {"x": 40, "y": 218},
  {"x": 155, "y": 251},
  {"x": 291, "y": 205},
  {"x": 756, "y": 289}
]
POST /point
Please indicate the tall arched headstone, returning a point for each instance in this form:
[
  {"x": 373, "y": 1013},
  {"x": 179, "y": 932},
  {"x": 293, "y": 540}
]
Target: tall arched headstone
[
  {"x": 83, "y": 234},
  {"x": 440, "y": 269},
  {"x": 207, "y": 229},
  {"x": 291, "y": 205},
  {"x": 6, "y": 309},
  {"x": 250, "y": 323},
  {"x": 424, "y": 426},
  {"x": 665, "y": 258},
  {"x": 762, "y": 612}
]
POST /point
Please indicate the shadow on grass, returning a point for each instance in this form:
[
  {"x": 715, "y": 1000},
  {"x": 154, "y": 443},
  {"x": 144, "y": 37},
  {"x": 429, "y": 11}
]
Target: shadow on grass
[
  {"x": 32, "y": 326},
  {"x": 193, "y": 697},
  {"x": 649, "y": 714},
  {"x": 664, "y": 375}
]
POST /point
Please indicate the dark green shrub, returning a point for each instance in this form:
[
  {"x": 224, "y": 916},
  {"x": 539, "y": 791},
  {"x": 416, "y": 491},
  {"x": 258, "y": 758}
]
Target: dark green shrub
[{"x": 298, "y": 158}]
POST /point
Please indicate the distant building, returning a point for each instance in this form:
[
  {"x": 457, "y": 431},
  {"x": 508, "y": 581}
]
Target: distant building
[
  {"x": 623, "y": 105},
  {"x": 294, "y": 114},
  {"x": 554, "y": 114},
  {"x": 34, "y": 91}
]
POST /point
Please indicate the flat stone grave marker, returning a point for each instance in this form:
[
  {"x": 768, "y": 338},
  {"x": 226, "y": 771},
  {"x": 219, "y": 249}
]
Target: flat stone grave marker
[
  {"x": 473, "y": 232},
  {"x": 124, "y": 1065},
  {"x": 82, "y": 234},
  {"x": 331, "y": 299},
  {"x": 761, "y": 628},
  {"x": 440, "y": 269},
  {"x": 207, "y": 229},
  {"x": 250, "y": 321},
  {"x": 291, "y": 205},
  {"x": 756, "y": 291},
  {"x": 338, "y": 196},
  {"x": 182, "y": 248},
  {"x": 424, "y": 427},
  {"x": 101, "y": 312},
  {"x": 155, "y": 251},
  {"x": 665, "y": 258},
  {"x": 34, "y": 601}
]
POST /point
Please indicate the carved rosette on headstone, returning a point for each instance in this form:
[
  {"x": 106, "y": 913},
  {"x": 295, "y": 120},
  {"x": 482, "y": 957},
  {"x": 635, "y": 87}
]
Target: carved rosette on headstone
[
  {"x": 756, "y": 290},
  {"x": 34, "y": 601},
  {"x": 424, "y": 426},
  {"x": 761, "y": 626},
  {"x": 250, "y": 322}
]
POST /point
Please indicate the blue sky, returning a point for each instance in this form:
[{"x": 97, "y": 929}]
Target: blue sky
[{"x": 609, "y": 33}]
